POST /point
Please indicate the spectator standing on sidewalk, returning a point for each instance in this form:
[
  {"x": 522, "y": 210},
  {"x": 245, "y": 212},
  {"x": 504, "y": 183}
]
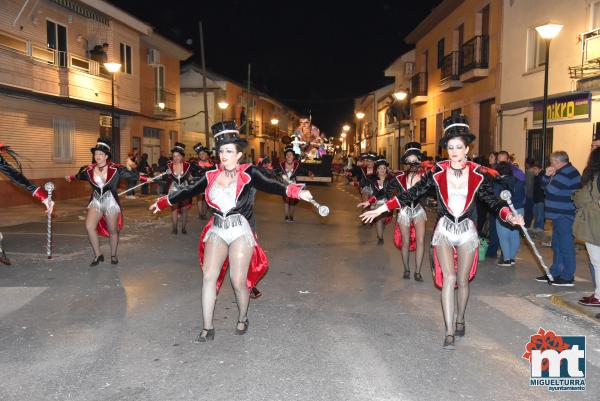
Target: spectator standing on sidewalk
[
  {"x": 587, "y": 220},
  {"x": 560, "y": 182},
  {"x": 539, "y": 219},
  {"x": 131, "y": 166},
  {"x": 508, "y": 236},
  {"x": 143, "y": 167},
  {"x": 529, "y": 183},
  {"x": 504, "y": 156}
]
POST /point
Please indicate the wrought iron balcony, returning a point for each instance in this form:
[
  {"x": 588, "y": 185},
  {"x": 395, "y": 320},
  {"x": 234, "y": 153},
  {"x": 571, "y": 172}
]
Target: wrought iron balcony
[
  {"x": 418, "y": 88},
  {"x": 474, "y": 59},
  {"x": 450, "y": 74},
  {"x": 165, "y": 102}
]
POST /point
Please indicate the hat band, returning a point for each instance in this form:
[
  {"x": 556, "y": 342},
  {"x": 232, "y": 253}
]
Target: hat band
[
  {"x": 103, "y": 144},
  {"x": 227, "y": 131},
  {"x": 409, "y": 149},
  {"x": 179, "y": 148},
  {"x": 455, "y": 125}
]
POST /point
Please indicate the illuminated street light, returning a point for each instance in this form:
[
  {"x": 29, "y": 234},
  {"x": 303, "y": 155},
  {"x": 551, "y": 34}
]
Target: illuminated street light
[
  {"x": 113, "y": 68},
  {"x": 346, "y": 128},
  {"x": 400, "y": 95},
  {"x": 548, "y": 31},
  {"x": 223, "y": 105},
  {"x": 360, "y": 115}
]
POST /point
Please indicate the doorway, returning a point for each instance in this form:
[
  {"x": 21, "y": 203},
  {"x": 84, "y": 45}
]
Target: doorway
[{"x": 534, "y": 145}]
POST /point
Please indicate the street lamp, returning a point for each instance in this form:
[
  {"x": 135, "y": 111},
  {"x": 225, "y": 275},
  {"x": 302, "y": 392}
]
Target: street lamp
[
  {"x": 546, "y": 32},
  {"x": 223, "y": 105},
  {"x": 113, "y": 68},
  {"x": 346, "y": 128},
  {"x": 400, "y": 95},
  {"x": 359, "y": 116},
  {"x": 275, "y": 124}
]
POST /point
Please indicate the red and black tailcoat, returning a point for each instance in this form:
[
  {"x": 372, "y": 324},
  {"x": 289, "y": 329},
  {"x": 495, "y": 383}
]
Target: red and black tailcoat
[
  {"x": 187, "y": 174},
  {"x": 384, "y": 192},
  {"x": 114, "y": 174},
  {"x": 364, "y": 177},
  {"x": 479, "y": 185},
  {"x": 297, "y": 170},
  {"x": 249, "y": 177},
  {"x": 19, "y": 179}
]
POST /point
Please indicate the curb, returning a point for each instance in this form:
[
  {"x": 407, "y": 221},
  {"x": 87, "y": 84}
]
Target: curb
[{"x": 557, "y": 304}]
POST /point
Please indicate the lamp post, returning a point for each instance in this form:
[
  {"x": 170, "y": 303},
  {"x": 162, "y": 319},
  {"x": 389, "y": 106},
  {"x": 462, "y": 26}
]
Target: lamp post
[
  {"x": 113, "y": 68},
  {"x": 359, "y": 116},
  {"x": 223, "y": 105},
  {"x": 343, "y": 138},
  {"x": 275, "y": 124},
  {"x": 546, "y": 32}
]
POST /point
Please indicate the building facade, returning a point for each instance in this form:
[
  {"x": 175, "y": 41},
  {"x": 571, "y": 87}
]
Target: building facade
[
  {"x": 157, "y": 128},
  {"x": 254, "y": 113},
  {"x": 457, "y": 70},
  {"x": 55, "y": 95},
  {"x": 573, "y": 78}
]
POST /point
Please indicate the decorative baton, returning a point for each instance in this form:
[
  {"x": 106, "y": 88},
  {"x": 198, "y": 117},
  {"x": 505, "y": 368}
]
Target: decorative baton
[
  {"x": 144, "y": 183},
  {"x": 323, "y": 210},
  {"x": 49, "y": 187},
  {"x": 506, "y": 196}
]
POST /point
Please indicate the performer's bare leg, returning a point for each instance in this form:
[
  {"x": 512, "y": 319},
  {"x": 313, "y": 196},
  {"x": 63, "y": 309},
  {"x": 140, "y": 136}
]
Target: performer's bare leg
[
  {"x": 91, "y": 222},
  {"x": 420, "y": 242},
  {"x": 112, "y": 224},
  {"x": 405, "y": 231},
  {"x": 466, "y": 253},
  {"x": 215, "y": 254},
  {"x": 380, "y": 225},
  {"x": 184, "y": 216},
  {"x": 240, "y": 253},
  {"x": 174, "y": 219},
  {"x": 202, "y": 207}
]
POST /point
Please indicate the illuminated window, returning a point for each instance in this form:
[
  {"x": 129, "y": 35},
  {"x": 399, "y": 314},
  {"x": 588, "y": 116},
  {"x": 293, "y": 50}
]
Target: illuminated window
[{"x": 64, "y": 131}]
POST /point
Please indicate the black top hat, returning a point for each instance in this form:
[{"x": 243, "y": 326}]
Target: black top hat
[
  {"x": 362, "y": 156},
  {"x": 227, "y": 132},
  {"x": 104, "y": 145},
  {"x": 456, "y": 126},
  {"x": 381, "y": 161},
  {"x": 179, "y": 148},
  {"x": 412, "y": 148},
  {"x": 199, "y": 148},
  {"x": 371, "y": 156}
]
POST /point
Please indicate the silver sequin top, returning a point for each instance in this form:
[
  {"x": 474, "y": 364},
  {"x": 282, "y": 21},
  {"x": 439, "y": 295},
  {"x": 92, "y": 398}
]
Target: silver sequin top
[{"x": 223, "y": 197}]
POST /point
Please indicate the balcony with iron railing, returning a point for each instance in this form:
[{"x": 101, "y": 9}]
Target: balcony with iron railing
[
  {"x": 474, "y": 59},
  {"x": 418, "y": 88},
  {"x": 587, "y": 73},
  {"x": 165, "y": 102},
  {"x": 34, "y": 66},
  {"x": 450, "y": 72}
]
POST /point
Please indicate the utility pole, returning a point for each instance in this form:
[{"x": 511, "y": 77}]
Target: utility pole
[
  {"x": 247, "y": 130},
  {"x": 204, "y": 84}
]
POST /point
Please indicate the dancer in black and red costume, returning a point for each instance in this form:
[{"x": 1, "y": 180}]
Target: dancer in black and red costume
[
  {"x": 364, "y": 173},
  {"x": 228, "y": 239},
  {"x": 290, "y": 168},
  {"x": 180, "y": 176},
  {"x": 16, "y": 176},
  {"x": 455, "y": 241},
  {"x": 204, "y": 164},
  {"x": 381, "y": 187},
  {"x": 411, "y": 218},
  {"x": 104, "y": 215}
]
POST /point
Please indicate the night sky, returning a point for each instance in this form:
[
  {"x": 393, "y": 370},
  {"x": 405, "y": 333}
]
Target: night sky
[{"x": 311, "y": 55}]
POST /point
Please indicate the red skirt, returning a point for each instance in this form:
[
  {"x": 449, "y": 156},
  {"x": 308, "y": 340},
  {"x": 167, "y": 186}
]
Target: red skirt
[{"x": 258, "y": 264}]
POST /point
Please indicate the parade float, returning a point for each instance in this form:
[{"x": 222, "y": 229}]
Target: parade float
[{"x": 313, "y": 150}]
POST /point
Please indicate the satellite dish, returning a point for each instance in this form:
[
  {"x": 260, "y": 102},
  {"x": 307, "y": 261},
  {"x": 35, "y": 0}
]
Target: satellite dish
[{"x": 286, "y": 140}]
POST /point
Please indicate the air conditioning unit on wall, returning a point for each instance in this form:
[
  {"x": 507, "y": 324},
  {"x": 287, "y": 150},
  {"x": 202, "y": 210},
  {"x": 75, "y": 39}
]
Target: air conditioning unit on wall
[{"x": 153, "y": 57}]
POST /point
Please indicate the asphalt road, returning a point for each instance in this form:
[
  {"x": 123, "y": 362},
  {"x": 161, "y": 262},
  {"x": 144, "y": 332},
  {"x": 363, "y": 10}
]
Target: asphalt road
[{"x": 336, "y": 322}]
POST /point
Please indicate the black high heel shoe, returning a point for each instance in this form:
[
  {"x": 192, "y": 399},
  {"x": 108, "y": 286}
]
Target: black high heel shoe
[
  {"x": 449, "y": 342},
  {"x": 97, "y": 260},
  {"x": 210, "y": 336},
  {"x": 418, "y": 277},
  {"x": 406, "y": 275},
  {"x": 460, "y": 332},
  {"x": 114, "y": 260},
  {"x": 244, "y": 330},
  {"x": 379, "y": 241},
  {"x": 174, "y": 231},
  {"x": 183, "y": 231}
]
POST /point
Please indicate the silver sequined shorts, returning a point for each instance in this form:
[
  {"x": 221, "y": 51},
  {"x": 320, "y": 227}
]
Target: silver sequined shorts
[
  {"x": 448, "y": 232},
  {"x": 368, "y": 191},
  {"x": 408, "y": 214},
  {"x": 105, "y": 203},
  {"x": 229, "y": 229}
]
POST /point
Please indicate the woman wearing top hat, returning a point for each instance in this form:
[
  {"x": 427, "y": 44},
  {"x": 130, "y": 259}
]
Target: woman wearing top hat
[
  {"x": 17, "y": 177},
  {"x": 457, "y": 182},
  {"x": 228, "y": 239},
  {"x": 104, "y": 215},
  {"x": 290, "y": 168},
  {"x": 180, "y": 175},
  {"x": 364, "y": 174},
  {"x": 412, "y": 213},
  {"x": 204, "y": 164},
  {"x": 381, "y": 188}
]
